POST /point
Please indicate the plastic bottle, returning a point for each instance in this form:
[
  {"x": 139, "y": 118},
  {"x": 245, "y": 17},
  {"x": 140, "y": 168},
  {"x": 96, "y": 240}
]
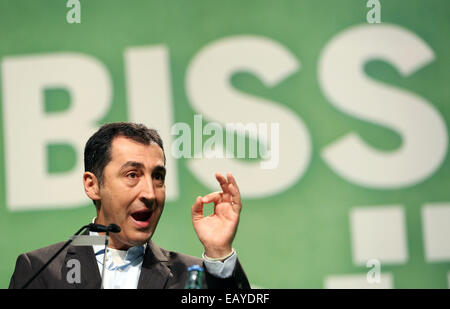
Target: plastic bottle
[{"x": 195, "y": 277}]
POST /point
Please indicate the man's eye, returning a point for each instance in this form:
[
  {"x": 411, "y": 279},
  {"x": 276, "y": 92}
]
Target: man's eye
[
  {"x": 159, "y": 176},
  {"x": 132, "y": 175}
]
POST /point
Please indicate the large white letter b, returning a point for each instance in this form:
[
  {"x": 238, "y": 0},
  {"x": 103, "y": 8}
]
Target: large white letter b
[{"x": 29, "y": 129}]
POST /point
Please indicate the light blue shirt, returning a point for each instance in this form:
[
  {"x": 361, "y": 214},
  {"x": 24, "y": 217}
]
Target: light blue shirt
[{"x": 123, "y": 267}]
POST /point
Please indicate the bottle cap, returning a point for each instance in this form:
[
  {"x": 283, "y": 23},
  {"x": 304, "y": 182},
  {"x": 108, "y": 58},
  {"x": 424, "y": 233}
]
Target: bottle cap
[{"x": 195, "y": 267}]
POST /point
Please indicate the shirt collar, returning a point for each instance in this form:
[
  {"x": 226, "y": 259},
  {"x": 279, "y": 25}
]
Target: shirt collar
[{"x": 134, "y": 255}]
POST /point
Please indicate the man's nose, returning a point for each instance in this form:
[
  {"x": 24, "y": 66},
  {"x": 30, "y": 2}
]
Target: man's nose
[{"x": 147, "y": 194}]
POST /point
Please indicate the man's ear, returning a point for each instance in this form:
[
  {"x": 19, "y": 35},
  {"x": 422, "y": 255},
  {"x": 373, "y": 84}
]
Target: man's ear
[{"x": 91, "y": 186}]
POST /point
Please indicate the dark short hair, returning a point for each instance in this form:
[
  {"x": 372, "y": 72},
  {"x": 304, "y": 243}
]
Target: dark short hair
[{"x": 97, "y": 152}]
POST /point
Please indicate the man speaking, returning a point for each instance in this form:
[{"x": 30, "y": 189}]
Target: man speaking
[{"x": 124, "y": 176}]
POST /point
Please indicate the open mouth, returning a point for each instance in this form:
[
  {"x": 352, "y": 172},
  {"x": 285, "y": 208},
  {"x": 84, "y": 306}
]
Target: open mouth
[{"x": 142, "y": 215}]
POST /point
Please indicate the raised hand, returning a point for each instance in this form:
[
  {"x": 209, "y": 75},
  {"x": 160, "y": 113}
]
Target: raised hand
[{"x": 216, "y": 231}]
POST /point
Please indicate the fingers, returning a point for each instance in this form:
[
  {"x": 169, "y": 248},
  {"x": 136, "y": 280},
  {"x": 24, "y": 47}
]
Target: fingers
[
  {"x": 212, "y": 197},
  {"x": 224, "y": 185},
  {"x": 230, "y": 189},
  {"x": 234, "y": 189},
  {"x": 230, "y": 193},
  {"x": 197, "y": 209},
  {"x": 223, "y": 182}
]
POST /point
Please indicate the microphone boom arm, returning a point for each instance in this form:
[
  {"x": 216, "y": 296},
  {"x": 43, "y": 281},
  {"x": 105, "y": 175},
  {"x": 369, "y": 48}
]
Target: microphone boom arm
[
  {"x": 92, "y": 227},
  {"x": 52, "y": 258}
]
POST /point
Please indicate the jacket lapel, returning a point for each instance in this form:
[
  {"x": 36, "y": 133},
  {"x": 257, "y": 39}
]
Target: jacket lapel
[
  {"x": 155, "y": 271},
  {"x": 90, "y": 275}
]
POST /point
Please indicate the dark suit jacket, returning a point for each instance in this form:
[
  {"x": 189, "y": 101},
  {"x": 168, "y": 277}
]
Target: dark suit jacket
[{"x": 161, "y": 269}]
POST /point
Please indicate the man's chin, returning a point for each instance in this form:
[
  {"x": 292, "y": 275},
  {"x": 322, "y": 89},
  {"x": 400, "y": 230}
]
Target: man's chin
[
  {"x": 139, "y": 238},
  {"x": 135, "y": 238}
]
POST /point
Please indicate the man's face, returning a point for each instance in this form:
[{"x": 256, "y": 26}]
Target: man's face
[{"x": 133, "y": 191}]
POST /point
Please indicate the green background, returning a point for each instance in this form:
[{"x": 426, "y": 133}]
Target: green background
[{"x": 290, "y": 240}]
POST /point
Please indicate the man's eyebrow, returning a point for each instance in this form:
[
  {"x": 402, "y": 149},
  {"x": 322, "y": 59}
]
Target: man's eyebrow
[
  {"x": 132, "y": 164},
  {"x": 135, "y": 164}
]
